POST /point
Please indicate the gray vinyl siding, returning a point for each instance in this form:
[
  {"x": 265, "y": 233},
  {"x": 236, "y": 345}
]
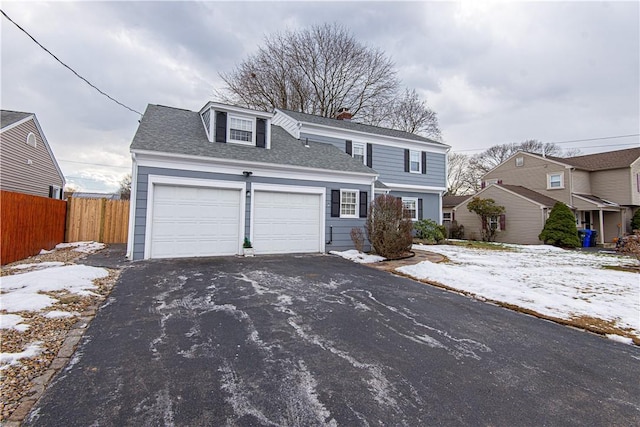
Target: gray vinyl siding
[
  {"x": 341, "y": 226},
  {"x": 388, "y": 161},
  {"x": 580, "y": 182},
  {"x": 635, "y": 183},
  {"x": 430, "y": 203},
  {"x": 18, "y": 176},
  {"x": 524, "y": 219}
]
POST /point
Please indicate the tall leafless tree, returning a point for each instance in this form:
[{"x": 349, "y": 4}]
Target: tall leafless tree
[
  {"x": 322, "y": 69},
  {"x": 461, "y": 177},
  {"x": 493, "y": 156}
]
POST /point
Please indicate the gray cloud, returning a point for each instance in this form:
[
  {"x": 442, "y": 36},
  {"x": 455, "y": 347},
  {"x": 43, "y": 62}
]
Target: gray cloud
[{"x": 494, "y": 72}]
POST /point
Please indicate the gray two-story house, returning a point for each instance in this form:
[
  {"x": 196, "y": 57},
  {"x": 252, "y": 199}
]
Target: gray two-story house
[{"x": 289, "y": 182}]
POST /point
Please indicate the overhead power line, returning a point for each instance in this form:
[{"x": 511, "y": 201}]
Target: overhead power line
[
  {"x": 578, "y": 140},
  {"x": 93, "y": 164},
  {"x": 68, "y": 67}
]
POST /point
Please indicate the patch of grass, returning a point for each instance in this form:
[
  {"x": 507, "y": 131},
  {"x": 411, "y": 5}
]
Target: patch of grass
[
  {"x": 627, "y": 268},
  {"x": 475, "y": 244}
]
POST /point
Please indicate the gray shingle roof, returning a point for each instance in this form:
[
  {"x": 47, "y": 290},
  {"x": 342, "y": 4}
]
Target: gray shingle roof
[
  {"x": 530, "y": 194},
  {"x": 451, "y": 201},
  {"x": 8, "y": 117},
  {"x": 355, "y": 126},
  {"x": 602, "y": 161},
  {"x": 172, "y": 130}
]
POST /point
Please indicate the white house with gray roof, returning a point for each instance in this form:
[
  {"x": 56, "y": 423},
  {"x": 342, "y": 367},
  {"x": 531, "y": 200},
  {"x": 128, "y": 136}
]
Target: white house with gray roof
[{"x": 204, "y": 181}]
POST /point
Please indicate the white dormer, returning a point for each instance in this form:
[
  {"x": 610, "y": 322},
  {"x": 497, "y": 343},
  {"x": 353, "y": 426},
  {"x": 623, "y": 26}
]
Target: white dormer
[{"x": 236, "y": 125}]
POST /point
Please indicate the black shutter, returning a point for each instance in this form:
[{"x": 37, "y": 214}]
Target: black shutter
[
  {"x": 221, "y": 126},
  {"x": 261, "y": 133},
  {"x": 370, "y": 155},
  {"x": 364, "y": 202},
  {"x": 406, "y": 160},
  {"x": 424, "y": 162},
  {"x": 348, "y": 148},
  {"x": 503, "y": 222},
  {"x": 420, "y": 211},
  {"x": 335, "y": 203},
  {"x": 51, "y": 191}
]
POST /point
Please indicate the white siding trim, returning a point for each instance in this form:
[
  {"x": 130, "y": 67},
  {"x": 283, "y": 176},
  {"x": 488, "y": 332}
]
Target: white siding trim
[
  {"x": 132, "y": 207},
  {"x": 191, "y": 182},
  {"x": 321, "y": 191},
  {"x": 416, "y": 188},
  {"x": 236, "y": 167}
]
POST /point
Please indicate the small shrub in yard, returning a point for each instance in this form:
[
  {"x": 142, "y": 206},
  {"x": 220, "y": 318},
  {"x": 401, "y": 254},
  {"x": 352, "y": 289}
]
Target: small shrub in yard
[
  {"x": 429, "y": 230},
  {"x": 357, "y": 237},
  {"x": 635, "y": 221},
  {"x": 456, "y": 231},
  {"x": 387, "y": 229},
  {"x": 560, "y": 228},
  {"x": 630, "y": 245}
]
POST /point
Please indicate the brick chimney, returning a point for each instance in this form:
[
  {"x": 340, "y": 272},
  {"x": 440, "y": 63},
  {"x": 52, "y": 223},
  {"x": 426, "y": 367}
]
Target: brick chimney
[{"x": 344, "y": 114}]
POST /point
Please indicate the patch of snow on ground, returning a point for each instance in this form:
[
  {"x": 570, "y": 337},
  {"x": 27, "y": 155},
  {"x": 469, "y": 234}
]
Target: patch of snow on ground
[
  {"x": 619, "y": 338},
  {"x": 84, "y": 247},
  {"x": 551, "y": 281},
  {"x": 12, "y": 321},
  {"x": 37, "y": 265},
  {"x": 32, "y": 350},
  {"x": 44, "y": 252},
  {"x": 359, "y": 257},
  {"x": 57, "y": 314},
  {"x": 21, "y": 292}
]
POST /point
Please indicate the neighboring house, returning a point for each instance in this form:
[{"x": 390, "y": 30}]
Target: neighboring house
[
  {"x": 448, "y": 203},
  {"x": 603, "y": 190},
  {"x": 27, "y": 164},
  {"x": 289, "y": 182},
  {"x": 522, "y": 222}
]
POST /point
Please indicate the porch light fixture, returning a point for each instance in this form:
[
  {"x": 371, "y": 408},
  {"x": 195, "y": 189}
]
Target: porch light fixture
[{"x": 247, "y": 174}]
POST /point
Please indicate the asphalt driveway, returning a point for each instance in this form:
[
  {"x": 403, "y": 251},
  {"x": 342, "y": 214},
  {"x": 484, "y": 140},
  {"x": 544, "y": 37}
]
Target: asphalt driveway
[{"x": 317, "y": 340}]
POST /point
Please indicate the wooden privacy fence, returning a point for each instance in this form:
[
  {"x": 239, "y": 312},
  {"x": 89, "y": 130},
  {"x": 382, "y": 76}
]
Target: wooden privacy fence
[
  {"x": 28, "y": 224},
  {"x": 100, "y": 220}
]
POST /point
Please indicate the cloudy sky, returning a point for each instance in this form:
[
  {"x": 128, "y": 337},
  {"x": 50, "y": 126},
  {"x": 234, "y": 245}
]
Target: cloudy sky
[{"x": 495, "y": 72}]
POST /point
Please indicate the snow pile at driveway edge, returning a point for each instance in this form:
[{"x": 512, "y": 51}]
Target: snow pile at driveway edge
[{"x": 359, "y": 257}]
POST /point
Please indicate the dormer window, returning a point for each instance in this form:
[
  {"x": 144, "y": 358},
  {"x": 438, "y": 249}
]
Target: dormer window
[{"x": 241, "y": 130}]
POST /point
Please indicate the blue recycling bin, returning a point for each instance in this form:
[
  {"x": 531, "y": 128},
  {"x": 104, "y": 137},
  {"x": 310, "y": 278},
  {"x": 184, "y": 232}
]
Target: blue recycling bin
[{"x": 587, "y": 238}]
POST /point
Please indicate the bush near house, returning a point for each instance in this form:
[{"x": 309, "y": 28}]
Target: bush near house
[
  {"x": 387, "y": 229},
  {"x": 560, "y": 228},
  {"x": 486, "y": 209},
  {"x": 430, "y": 231},
  {"x": 456, "y": 231},
  {"x": 635, "y": 221}
]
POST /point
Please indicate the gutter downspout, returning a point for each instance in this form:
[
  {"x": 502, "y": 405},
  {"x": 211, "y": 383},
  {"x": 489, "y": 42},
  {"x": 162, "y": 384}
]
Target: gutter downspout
[{"x": 132, "y": 206}]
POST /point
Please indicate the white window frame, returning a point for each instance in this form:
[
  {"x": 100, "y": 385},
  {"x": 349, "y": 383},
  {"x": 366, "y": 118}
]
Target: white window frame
[
  {"x": 491, "y": 181},
  {"x": 32, "y": 140},
  {"x": 519, "y": 161},
  {"x": 411, "y": 161},
  {"x": 446, "y": 216},
  {"x": 356, "y": 203},
  {"x": 360, "y": 146},
  {"x": 252, "y": 120},
  {"x": 494, "y": 221},
  {"x": 549, "y": 181},
  {"x": 413, "y": 200}
]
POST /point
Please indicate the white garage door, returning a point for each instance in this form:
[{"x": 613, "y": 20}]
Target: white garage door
[
  {"x": 286, "y": 222},
  {"x": 194, "y": 221}
]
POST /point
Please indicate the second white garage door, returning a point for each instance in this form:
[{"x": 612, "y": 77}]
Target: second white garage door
[{"x": 286, "y": 222}]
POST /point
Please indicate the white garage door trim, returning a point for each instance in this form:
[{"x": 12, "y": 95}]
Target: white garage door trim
[
  {"x": 321, "y": 191},
  {"x": 154, "y": 180}
]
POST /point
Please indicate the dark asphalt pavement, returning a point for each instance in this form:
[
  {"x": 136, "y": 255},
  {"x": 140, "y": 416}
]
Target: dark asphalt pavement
[{"x": 316, "y": 340}]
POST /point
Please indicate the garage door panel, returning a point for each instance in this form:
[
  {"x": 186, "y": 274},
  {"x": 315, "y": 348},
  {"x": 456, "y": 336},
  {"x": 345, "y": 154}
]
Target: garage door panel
[
  {"x": 286, "y": 222},
  {"x": 194, "y": 221}
]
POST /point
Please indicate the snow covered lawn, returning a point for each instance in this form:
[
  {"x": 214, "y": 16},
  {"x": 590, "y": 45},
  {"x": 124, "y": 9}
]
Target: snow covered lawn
[{"x": 553, "y": 282}]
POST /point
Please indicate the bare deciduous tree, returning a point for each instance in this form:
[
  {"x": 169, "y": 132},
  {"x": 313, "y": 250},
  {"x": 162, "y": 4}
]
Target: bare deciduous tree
[
  {"x": 461, "y": 177},
  {"x": 322, "y": 69},
  {"x": 493, "y": 156}
]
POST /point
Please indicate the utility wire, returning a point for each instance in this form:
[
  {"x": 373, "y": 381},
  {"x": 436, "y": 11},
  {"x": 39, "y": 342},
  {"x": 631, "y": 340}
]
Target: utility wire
[
  {"x": 577, "y": 140},
  {"x": 66, "y": 66},
  {"x": 93, "y": 164}
]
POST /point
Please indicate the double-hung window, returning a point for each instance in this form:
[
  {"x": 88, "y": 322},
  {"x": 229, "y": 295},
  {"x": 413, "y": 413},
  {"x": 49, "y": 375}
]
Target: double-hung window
[
  {"x": 555, "y": 180},
  {"x": 240, "y": 130},
  {"x": 410, "y": 208},
  {"x": 359, "y": 152},
  {"x": 348, "y": 204},
  {"x": 415, "y": 161}
]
